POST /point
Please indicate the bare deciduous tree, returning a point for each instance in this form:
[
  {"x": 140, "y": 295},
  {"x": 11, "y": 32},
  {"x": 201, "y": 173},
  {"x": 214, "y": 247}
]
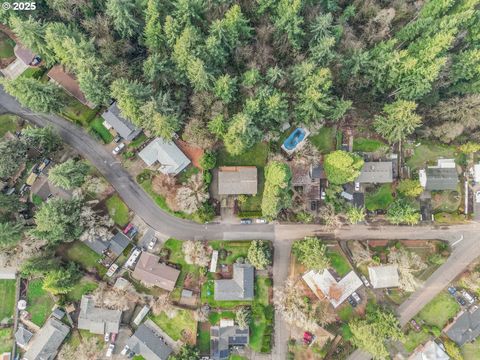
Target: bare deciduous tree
[
  {"x": 87, "y": 349},
  {"x": 190, "y": 197},
  {"x": 331, "y": 220},
  {"x": 25, "y": 250},
  {"x": 408, "y": 263},
  {"x": 359, "y": 253},
  {"x": 95, "y": 225},
  {"x": 114, "y": 298},
  {"x": 166, "y": 186},
  {"x": 195, "y": 253}
]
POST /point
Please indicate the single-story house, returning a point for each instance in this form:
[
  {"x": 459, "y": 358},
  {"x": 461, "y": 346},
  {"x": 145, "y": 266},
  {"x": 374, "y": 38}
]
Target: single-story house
[
  {"x": 308, "y": 182},
  {"x": 23, "y": 336},
  {"x": 98, "y": 320},
  {"x": 148, "y": 343},
  {"x": 113, "y": 119},
  {"x": 237, "y": 180},
  {"x": 385, "y": 276},
  {"x": 442, "y": 176},
  {"x": 324, "y": 285},
  {"x": 118, "y": 243},
  {"x": 69, "y": 83},
  {"x": 465, "y": 327},
  {"x": 429, "y": 351},
  {"x": 225, "y": 336},
  {"x": 166, "y": 154},
  {"x": 44, "y": 189},
  {"x": 376, "y": 173},
  {"x": 98, "y": 245},
  {"x": 240, "y": 287},
  {"x": 151, "y": 272},
  {"x": 24, "y": 57},
  {"x": 47, "y": 341}
]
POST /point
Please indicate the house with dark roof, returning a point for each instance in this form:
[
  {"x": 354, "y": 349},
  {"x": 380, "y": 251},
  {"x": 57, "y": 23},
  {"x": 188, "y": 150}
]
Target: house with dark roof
[
  {"x": 43, "y": 188},
  {"x": 66, "y": 80},
  {"x": 465, "y": 328},
  {"x": 225, "y": 336},
  {"x": 165, "y": 156},
  {"x": 46, "y": 343},
  {"x": 239, "y": 287},
  {"x": 151, "y": 272},
  {"x": 380, "y": 172},
  {"x": 23, "y": 336},
  {"x": 308, "y": 182},
  {"x": 237, "y": 180},
  {"x": 442, "y": 176},
  {"x": 148, "y": 343},
  {"x": 113, "y": 119},
  {"x": 118, "y": 243},
  {"x": 98, "y": 320}
]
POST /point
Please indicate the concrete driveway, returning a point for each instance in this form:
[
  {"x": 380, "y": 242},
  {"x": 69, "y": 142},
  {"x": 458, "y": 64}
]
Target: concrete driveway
[{"x": 14, "y": 69}]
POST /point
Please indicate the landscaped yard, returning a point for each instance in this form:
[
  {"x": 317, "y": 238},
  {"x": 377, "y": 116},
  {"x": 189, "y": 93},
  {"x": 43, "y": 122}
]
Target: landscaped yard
[
  {"x": 7, "y": 123},
  {"x": 86, "y": 257},
  {"x": 7, "y": 298},
  {"x": 367, "y": 145},
  {"x": 35, "y": 73},
  {"x": 380, "y": 199},
  {"x": 96, "y": 126},
  {"x": 234, "y": 250},
  {"x": 339, "y": 263},
  {"x": 84, "y": 286},
  {"x": 413, "y": 339},
  {"x": 6, "y": 46},
  {"x": 78, "y": 113},
  {"x": 40, "y": 302},
  {"x": 203, "y": 339},
  {"x": 137, "y": 142},
  {"x": 447, "y": 201},
  {"x": 324, "y": 139},
  {"x": 117, "y": 210},
  {"x": 471, "y": 351},
  {"x": 6, "y": 341},
  {"x": 428, "y": 154},
  {"x": 183, "y": 323},
  {"x": 261, "y": 325},
  {"x": 438, "y": 311}
]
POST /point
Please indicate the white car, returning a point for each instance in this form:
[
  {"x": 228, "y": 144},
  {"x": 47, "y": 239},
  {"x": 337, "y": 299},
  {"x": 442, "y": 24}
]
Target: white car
[
  {"x": 261, "y": 221},
  {"x": 125, "y": 350},
  {"x": 477, "y": 196},
  {"x": 118, "y": 148},
  {"x": 110, "y": 350},
  {"x": 357, "y": 186},
  {"x": 152, "y": 243},
  {"x": 356, "y": 297},
  {"x": 107, "y": 337}
]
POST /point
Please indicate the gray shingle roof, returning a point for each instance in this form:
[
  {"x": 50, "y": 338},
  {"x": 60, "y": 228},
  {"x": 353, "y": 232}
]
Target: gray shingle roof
[
  {"x": 147, "y": 343},
  {"x": 376, "y": 173},
  {"x": 47, "y": 341},
  {"x": 119, "y": 243},
  {"x": 97, "y": 245},
  {"x": 236, "y": 180},
  {"x": 465, "y": 328},
  {"x": 441, "y": 179},
  {"x": 170, "y": 158},
  {"x": 98, "y": 320},
  {"x": 22, "y": 336},
  {"x": 240, "y": 287},
  {"x": 222, "y": 337},
  {"x": 122, "y": 126}
]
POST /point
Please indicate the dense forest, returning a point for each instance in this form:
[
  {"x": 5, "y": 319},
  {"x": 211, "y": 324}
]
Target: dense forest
[{"x": 235, "y": 71}]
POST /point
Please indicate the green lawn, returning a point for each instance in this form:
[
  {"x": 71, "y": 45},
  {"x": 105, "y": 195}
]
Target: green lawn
[
  {"x": 234, "y": 250},
  {"x": 6, "y": 46},
  {"x": 139, "y": 140},
  {"x": 446, "y": 201},
  {"x": 346, "y": 312},
  {"x": 203, "y": 340},
  {"x": 186, "y": 174},
  {"x": 117, "y": 210},
  {"x": 438, "y": 311},
  {"x": 86, "y": 257},
  {"x": 380, "y": 199},
  {"x": 78, "y": 113},
  {"x": 214, "y": 317},
  {"x": 8, "y": 122},
  {"x": 84, "y": 286},
  {"x": 174, "y": 327},
  {"x": 324, "y": 140},
  {"x": 35, "y": 73},
  {"x": 428, "y": 154},
  {"x": 40, "y": 302},
  {"x": 339, "y": 263},
  {"x": 471, "y": 351},
  {"x": 255, "y": 156},
  {"x": 7, "y": 298},
  {"x": 96, "y": 126},
  {"x": 367, "y": 145},
  {"x": 447, "y": 218},
  {"x": 6, "y": 341},
  {"x": 413, "y": 339}
]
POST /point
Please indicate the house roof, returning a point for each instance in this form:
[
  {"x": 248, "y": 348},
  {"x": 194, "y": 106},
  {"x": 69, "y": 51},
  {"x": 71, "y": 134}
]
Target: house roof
[
  {"x": 324, "y": 285},
  {"x": 170, "y": 158},
  {"x": 97, "y": 245},
  {"x": 385, "y": 276},
  {"x": 47, "y": 341},
  {"x": 240, "y": 287},
  {"x": 69, "y": 83},
  {"x": 222, "y": 337},
  {"x": 441, "y": 178},
  {"x": 43, "y": 188},
  {"x": 22, "y": 336},
  {"x": 122, "y": 126},
  {"x": 119, "y": 243},
  {"x": 24, "y": 54},
  {"x": 147, "y": 343},
  {"x": 429, "y": 351},
  {"x": 98, "y": 320},
  {"x": 376, "y": 173},
  {"x": 236, "y": 180},
  {"x": 465, "y": 327},
  {"x": 150, "y": 271}
]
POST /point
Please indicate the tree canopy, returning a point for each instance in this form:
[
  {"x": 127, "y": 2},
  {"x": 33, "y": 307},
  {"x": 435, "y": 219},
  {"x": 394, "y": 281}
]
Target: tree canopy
[
  {"x": 312, "y": 253},
  {"x": 69, "y": 174},
  {"x": 276, "y": 193},
  {"x": 342, "y": 167},
  {"x": 259, "y": 254}
]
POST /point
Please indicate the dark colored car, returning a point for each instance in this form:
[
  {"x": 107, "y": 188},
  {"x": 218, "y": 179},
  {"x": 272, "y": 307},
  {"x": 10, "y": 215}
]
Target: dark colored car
[
  {"x": 461, "y": 300},
  {"x": 117, "y": 138},
  {"x": 352, "y": 301},
  {"x": 452, "y": 290},
  {"x": 246, "y": 221}
]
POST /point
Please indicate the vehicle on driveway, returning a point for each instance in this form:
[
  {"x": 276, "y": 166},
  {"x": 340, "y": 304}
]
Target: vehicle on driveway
[
  {"x": 355, "y": 297},
  {"x": 107, "y": 337},
  {"x": 261, "y": 221},
  {"x": 110, "y": 350},
  {"x": 415, "y": 325},
  {"x": 461, "y": 301},
  {"x": 468, "y": 297},
  {"x": 113, "y": 337},
  {"x": 452, "y": 290},
  {"x": 308, "y": 338},
  {"x": 365, "y": 281},
  {"x": 352, "y": 301},
  {"x": 477, "y": 196},
  {"x": 152, "y": 243},
  {"x": 246, "y": 221},
  {"x": 119, "y": 148}
]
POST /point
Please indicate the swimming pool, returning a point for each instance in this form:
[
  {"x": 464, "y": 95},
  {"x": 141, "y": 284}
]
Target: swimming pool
[{"x": 294, "y": 139}]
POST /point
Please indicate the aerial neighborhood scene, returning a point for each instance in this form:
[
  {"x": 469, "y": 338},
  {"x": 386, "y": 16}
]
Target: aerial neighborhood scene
[{"x": 240, "y": 180}]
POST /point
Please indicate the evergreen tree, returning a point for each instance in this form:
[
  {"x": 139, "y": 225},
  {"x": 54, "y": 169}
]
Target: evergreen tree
[
  {"x": 10, "y": 233},
  {"x": 342, "y": 167},
  {"x": 69, "y": 175},
  {"x": 225, "y": 88},
  {"x": 12, "y": 155},
  {"x": 153, "y": 26},
  {"x": 241, "y": 134},
  {"x": 130, "y": 96},
  {"x": 259, "y": 254},
  {"x": 288, "y": 21},
  {"x": 398, "y": 120},
  {"x": 124, "y": 16},
  {"x": 402, "y": 212},
  {"x": 61, "y": 281},
  {"x": 276, "y": 193},
  {"x": 44, "y": 139},
  {"x": 163, "y": 125}
]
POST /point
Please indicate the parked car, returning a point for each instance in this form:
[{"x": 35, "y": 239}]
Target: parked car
[
  {"x": 352, "y": 301},
  {"x": 107, "y": 337},
  {"x": 110, "y": 350},
  {"x": 125, "y": 350},
  {"x": 356, "y": 297},
  {"x": 461, "y": 301},
  {"x": 470, "y": 299},
  {"x": 119, "y": 148},
  {"x": 152, "y": 243},
  {"x": 113, "y": 337},
  {"x": 357, "y": 186},
  {"x": 261, "y": 221},
  {"x": 36, "y": 60},
  {"x": 452, "y": 290},
  {"x": 127, "y": 228},
  {"x": 133, "y": 258},
  {"x": 117, "y": 139},
  {"x": 246, "y": 221},
  {"x": 415, "y": 325},
  {"x": 308, "y": 338},
  {"x": 477, "y": 196},
  {"x": 365, "y": 281},
  {"x": 322, "y": 195}
]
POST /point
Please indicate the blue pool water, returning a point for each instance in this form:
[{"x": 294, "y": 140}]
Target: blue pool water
[{"x": 294, "y": 139}]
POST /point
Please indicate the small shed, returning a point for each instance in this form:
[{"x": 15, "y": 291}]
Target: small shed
[{"x": 385, "y": 276}]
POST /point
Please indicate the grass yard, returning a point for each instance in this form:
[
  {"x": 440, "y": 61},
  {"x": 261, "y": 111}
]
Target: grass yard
[
  {"x": 447, "y": 218},
  {"x": 438, "y": 311},
  {"x": 214, "y": 317},
  {"x": 100, "y": 131},
  {"x": 234, "y": 250},
  {"x": 471, "y": 351},
  {"x": 8, "y": 123},
  {"x": 367, "y": 145},
  {"x": 117, "y": 210},
  {"x": 35, "y": 73},
  {"x": 137, "y": 142},
  {"x": 339, "y": 263},
  {"x": 203, "y": 340},
  {"x": 84, "y": 286},
  {"x": 346, "y": 312},
  {"x": 186, "y": 174},
  {"x": 324, "y": 140},
  {"x": 380, "y": 199},
  {"x": 40, "y": 302},
  {"x": 6, "y": 341},
  {"x": 86, "y": 257},
  {"x": 6, "y": 46},
  {"x": 176, "y": 327},
  {"x": 255, "y": 156},
  {"x": 413, "y": 339},
  {"x": 262, "y": 316},
  {"x": 7, "y": 298},
  {"x": 446, "y": 201},
  {"x": 78, "y": 113},
  {"x": 428, "y": 154}
]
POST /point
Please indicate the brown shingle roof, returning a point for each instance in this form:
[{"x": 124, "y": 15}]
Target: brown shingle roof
[
  {"x": 69, "y": 83},
  {"x": 24, "y": 54},
  {"x": 151, "y": 272}
]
